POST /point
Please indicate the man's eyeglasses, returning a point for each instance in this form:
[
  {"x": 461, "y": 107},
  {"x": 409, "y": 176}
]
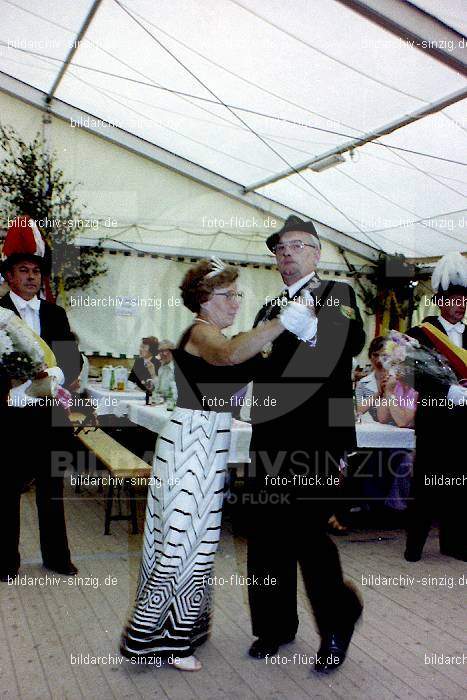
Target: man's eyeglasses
[
  {"x": 230, "y": 295},
  {"x": 294, "y": 246}
]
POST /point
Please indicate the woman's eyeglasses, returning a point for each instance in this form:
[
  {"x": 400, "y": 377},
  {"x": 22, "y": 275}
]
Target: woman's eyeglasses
[{"x": 230, "y": 295}]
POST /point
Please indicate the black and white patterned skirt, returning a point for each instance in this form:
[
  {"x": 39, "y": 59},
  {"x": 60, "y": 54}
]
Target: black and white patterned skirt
[{"x": 181, "y": 534}]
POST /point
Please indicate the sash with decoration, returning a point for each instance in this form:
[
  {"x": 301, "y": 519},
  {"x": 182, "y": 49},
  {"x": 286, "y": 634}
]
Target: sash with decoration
[
  {"x": 44, "y": 386},
  {"x": 457, "y": 357}
]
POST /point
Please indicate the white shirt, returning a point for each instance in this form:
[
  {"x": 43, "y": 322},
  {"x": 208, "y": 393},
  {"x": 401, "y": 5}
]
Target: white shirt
[
  {"x": 293, "y": 289},
  {"x": 83, "y": 375},
  {"x": 166, "y": 379},
  {"x": 28, "y": 310},
  {"x": 454, "y": 331}
]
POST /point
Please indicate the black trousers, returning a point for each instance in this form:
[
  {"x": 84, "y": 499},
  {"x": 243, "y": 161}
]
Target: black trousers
[
  {"x": 440, "y": 454},
  {"x": 34, "y": 440},
  {"x": 448, "y": 509},
  {"x": 279, "y": 538}
]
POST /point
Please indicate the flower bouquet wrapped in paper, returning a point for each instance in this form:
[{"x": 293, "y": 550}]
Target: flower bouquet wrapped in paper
[
  {"x": 25, "y": 357},
  {"x": 21, "y": 354},
  {"x": 416, "y": 365}
]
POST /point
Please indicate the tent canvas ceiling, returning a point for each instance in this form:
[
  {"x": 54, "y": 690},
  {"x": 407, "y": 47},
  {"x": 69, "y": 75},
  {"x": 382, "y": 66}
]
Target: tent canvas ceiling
[{"x": 299, "y": 78}]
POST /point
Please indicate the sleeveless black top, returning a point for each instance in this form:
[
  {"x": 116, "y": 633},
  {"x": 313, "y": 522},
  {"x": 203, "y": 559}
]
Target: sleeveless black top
[{"x": 205, "y": 387}]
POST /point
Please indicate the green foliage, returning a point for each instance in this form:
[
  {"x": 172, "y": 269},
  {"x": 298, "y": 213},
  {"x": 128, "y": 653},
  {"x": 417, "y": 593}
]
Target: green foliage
[
  {"x": 392, "y": 273},
  {"x": 32, "y": 183}
]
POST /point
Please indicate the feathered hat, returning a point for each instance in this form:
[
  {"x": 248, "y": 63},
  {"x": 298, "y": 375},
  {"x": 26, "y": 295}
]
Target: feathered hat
[
  {"x": 449, "y": 276},
  {"x": 24, "y": 241}
]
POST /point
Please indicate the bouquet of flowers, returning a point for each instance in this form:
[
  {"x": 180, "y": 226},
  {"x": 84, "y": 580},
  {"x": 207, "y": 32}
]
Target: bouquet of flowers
[
  {"x": 21, "y": 355},
  {"x": 404, "y": 358}
]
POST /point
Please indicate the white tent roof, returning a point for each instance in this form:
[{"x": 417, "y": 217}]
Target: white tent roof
[{"x": 251, "y": 88}]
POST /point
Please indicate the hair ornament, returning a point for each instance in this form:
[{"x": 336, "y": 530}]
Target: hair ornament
[{"x": 217, "y": 266}]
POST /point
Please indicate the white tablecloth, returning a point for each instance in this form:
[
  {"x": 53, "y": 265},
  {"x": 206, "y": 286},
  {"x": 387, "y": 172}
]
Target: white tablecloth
[
  {"x": 371, "y": 434},
  {"x": 113, "y": 402},
  {"x": 154, "y": 418}
]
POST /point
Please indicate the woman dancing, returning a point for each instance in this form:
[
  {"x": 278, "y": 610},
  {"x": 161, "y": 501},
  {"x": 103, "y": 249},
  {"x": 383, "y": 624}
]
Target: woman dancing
[{"x": 183, "y": 514}]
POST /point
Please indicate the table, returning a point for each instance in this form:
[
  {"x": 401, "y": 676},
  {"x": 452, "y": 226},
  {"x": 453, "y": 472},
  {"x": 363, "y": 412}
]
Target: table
[
  {"x": 154, "y": 418},
  {"x": 131, "y": 403},
  {"x": 371, "y": 434},
  {"x": 108, "y": 402}
]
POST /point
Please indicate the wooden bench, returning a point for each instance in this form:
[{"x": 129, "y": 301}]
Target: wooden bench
[{"x": 123, "y": 467}]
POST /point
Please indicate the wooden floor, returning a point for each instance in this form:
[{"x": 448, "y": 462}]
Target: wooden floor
[{"x": 48, "y": 632}]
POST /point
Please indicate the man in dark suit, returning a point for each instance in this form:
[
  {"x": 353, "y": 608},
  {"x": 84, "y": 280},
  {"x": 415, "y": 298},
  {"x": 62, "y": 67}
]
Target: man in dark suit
[
  {"x": 452, "y": 304},
  {"x": 39, "y": 430},
  {"x": 439, "y": 426},
  {"x": 146, "y": 366},
  {"x": 303, "y": 424}
]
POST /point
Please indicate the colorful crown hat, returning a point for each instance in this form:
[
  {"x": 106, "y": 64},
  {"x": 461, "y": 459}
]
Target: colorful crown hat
[
  {"x": 24, "y": 241},
  {"x": 23, "y": 238}
]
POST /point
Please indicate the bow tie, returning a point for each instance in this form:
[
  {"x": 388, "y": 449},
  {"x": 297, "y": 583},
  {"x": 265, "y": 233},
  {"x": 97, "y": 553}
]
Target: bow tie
[
  {"x": 459, "y": 327},
  {"x": 33, "y": 304}
]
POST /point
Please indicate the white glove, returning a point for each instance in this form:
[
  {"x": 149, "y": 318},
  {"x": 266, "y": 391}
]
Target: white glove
[
  {"x": 57, "y": 374},
  {"x": 309, "y": 302},
  {"x": 458, "y": 395},
  {"x": 299, "y": 320}
]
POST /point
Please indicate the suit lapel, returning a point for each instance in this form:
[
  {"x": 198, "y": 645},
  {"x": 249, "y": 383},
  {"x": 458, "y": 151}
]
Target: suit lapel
[
  {"x": 439, "y": 326},
  {"x": 44, "y": 321},
  {"x": 318, "y": 294},
  {"x": 7, "y": 303}
]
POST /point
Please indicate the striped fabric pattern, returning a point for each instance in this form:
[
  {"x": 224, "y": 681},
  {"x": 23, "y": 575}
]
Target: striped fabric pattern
[{"x": 182, "y": 530}]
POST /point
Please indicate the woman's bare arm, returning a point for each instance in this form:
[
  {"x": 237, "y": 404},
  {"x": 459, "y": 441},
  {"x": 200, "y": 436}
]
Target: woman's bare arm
[
  {"x": 365, "y": 403},
  {"x": 207, "y": 342},
  {"x": 403, "y": 417}
]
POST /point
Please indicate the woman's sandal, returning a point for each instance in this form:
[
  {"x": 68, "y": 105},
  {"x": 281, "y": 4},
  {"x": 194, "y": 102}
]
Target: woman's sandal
[{"x": 187, "y": 663}]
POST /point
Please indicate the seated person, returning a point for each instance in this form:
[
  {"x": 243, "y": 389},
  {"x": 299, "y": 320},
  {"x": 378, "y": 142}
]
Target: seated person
[
  {"x": 146, "y": 365},
  {"x": 388, "y": 399},
  {"x": 165, "y": 380},
  {"x": 392, "y": 401}
]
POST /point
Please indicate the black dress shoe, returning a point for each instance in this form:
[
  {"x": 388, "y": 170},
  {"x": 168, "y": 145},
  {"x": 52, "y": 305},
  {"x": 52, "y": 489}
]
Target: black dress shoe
[
  {"x": 65, "y": 569},
  {"x": 334, "y": 645},
  {"x": 412, "y": 555},
  {"x": 333, "y": 650},
  {"x": 261, "y": 648}
]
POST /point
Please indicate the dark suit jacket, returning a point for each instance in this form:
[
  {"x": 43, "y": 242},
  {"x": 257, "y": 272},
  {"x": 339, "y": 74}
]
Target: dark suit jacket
[
  {"x": 55, "y": 330},
  {"x": 140, "y": 373},
  {"x": 311, "y": 386},
  {"x": 438, "y": 427}
]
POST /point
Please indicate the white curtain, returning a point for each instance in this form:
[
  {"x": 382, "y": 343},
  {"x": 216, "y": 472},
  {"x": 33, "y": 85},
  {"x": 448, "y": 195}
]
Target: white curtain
[{"x": 140, "y": 296}]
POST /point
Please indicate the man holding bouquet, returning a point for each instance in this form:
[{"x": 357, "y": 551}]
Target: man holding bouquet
[
  {"x": 439, "y": 467},
  {"x": 44, "y": 429}
]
